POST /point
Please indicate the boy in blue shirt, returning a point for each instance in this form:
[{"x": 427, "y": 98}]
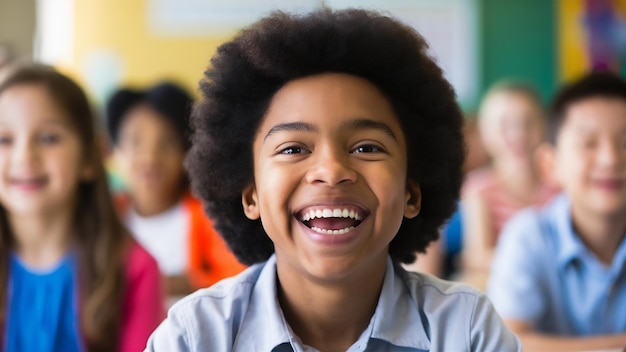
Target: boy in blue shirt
[
  {"x": 559, "y": 277},
  {"x": 328, "y": 149}
]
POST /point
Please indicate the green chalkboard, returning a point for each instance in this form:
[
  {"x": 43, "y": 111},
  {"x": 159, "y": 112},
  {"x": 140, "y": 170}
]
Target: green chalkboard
[{"x": 517, "y": 39}]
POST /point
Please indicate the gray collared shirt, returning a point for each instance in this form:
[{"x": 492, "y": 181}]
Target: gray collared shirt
[{"x": 415, "y": 312}]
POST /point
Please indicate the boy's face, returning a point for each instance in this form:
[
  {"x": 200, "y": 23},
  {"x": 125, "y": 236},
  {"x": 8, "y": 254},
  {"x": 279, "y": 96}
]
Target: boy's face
[
  {"x": 150, "y": 154},
  {"x": 330, "y": 170},
  {"x": 590, "y": 155}
]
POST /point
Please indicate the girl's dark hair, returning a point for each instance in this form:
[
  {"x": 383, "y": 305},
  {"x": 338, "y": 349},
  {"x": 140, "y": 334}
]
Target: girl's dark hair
[
  {"x": 245, "y": 74},
  {"x": 603, "y": 84},
  {"x": 169, "y": 99},
  {"x": 101, "y": 239}
]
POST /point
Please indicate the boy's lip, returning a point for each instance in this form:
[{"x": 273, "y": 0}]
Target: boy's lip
[{"x": 609, "y": 184}]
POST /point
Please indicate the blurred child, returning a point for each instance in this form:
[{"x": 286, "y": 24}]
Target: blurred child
[
  {"x": 328, "y": 149},
  {"x": 559, "y": 277},
  {"x": 150, "y": 132},
  {"x": 511, "y": 124},
  {"x": 442, "y": 257},
  {"x": 71, "y": 278}
]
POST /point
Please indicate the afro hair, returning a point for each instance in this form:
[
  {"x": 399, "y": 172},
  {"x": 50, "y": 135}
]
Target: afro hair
[{"x": 247, "y": 71}]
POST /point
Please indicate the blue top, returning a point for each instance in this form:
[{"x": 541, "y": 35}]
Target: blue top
[
  {"x": 42, "y": 308},
  {"x": 544, "y": 275},
  {"x": 415, "y": 312}
]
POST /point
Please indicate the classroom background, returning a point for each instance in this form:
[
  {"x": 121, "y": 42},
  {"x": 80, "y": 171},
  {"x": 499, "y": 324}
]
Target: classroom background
[{"x": 105, "y": 44}]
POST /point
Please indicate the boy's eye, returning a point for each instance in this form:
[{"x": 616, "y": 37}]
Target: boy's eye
[
  {"x": 367, "y": 148},
  {"x": 293, "y": 150},
  {"x": 49, "y": 138}
]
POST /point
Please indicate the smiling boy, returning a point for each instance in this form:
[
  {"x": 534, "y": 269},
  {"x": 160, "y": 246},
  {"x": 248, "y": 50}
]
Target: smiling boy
[
  {"x": 328, "y": 149},
  {"x": 559, "y": 277}
]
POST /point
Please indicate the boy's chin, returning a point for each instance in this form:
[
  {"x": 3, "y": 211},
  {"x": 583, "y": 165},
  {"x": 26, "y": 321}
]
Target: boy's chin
[
  {"x": 609, "y": 205},
  {"x": 337, "y": 269}
]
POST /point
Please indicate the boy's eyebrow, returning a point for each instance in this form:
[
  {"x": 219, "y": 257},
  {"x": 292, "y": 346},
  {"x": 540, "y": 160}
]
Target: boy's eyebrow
[
  {"x": 291, "y": 126},
  {"x": 359, "y": 124},
  {"x": 365, "y": 124}
]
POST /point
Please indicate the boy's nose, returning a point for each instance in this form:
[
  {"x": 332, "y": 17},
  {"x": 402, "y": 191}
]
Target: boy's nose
[
  {"x": 612, "y": 154},
  {"x": 331, "y": 168}
]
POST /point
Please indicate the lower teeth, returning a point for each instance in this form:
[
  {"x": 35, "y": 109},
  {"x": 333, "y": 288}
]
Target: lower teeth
[{"x": 332, "y": 232}]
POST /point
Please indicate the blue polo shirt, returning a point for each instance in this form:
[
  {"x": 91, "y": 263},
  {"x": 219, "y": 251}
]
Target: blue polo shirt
[
  {"x": 543, "y": 274},
  {"x": 415, "y": 312}
]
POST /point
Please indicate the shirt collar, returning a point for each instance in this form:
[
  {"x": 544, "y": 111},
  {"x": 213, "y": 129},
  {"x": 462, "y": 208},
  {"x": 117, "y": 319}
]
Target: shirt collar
[
  {"x": 395, "y": 312},
  {"x": 397, "y": 319},
  {"x": 619, "y": 260},
  {"x": 263, "y": 327},
  {"x": 570, "y": 246}
]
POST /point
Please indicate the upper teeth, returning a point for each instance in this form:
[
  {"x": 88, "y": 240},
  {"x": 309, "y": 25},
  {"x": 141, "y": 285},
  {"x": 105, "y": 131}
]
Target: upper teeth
[{"x": 331, "y": 213}]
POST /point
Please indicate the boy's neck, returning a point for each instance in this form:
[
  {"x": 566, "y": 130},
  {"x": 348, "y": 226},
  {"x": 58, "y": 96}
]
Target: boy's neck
[
  {"x": 601, "y": 234},
  {"x": 330, "y": 317},
  {"x": 41, "y": 241}
]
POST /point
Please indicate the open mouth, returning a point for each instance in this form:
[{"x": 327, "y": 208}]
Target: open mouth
[{"x": 332, "y": 220}]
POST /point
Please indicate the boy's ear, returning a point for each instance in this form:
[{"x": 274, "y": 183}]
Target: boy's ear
[
  {"x": 545, "y": 160},
  {"x": 413, "y": 199},
  {"x": 249, "y": 201}
]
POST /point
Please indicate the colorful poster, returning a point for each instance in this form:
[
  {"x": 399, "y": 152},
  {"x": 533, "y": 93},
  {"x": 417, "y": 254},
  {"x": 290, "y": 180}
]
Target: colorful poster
[{"x": 592, "y": 36}]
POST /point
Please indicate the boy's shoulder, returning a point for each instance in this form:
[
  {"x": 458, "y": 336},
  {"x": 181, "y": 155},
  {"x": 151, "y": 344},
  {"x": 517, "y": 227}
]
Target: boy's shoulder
[
  {"x": 217, "y": 317},
  {"x": 224, "y": 292},
  {"x": 428, "y": 289},
  {"x": 225, "y": 302},
  {"x": 538, "y": 241},
  {"x": 430, "y": 293},
  {"x": 539, "y": 224},
  {"x": 425, "y": 282},
  {"x": 457, "y": 315}
]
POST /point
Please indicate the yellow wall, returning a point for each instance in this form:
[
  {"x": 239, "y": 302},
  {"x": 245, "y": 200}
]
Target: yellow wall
[
  {"x": 121, "y": 27},
  {"x": 572, "y": 59}
]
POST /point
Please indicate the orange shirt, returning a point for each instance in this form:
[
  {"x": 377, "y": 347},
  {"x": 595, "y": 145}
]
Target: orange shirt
[{"x": 210, "y": 259}]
